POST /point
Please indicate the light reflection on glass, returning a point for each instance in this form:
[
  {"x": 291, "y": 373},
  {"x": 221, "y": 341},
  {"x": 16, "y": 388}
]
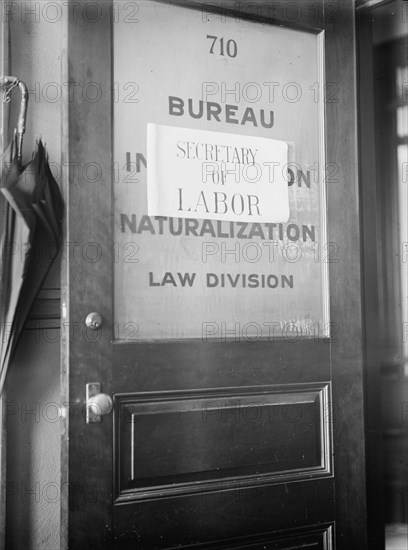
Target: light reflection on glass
[{"x": 402, "y": 121}]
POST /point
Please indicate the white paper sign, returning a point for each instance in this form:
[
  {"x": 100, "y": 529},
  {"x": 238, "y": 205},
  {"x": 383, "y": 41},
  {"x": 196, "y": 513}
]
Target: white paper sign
[{"x": 213, "y": 175}]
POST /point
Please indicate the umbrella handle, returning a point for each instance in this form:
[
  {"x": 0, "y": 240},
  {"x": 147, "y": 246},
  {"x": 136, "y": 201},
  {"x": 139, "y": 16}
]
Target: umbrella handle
[
  {"x": 11, "y": 82},
  {"x": 22, "y": 117}
]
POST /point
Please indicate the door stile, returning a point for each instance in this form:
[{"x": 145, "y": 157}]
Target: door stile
[
  {"x": 345, "y": 282},
  {"x": 87, "y": 287}
]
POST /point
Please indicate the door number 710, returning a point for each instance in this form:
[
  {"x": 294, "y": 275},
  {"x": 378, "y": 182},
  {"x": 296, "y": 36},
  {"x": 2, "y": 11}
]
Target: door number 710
[{"x": 229, "y": 47}]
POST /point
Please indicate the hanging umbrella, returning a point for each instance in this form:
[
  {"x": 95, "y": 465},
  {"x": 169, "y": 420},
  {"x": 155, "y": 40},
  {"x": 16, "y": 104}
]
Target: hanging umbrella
[
  {"x": 45, "y": 204},
  {"x": 31, "y": 235},
  {"x": 12, "y": 232}
]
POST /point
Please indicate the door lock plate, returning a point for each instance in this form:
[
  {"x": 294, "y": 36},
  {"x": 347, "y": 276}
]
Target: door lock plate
[{"x": 92, "y": 389}]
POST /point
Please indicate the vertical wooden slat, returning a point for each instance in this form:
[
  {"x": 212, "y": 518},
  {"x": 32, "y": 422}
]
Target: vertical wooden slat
[
  {"x": 370, "y": 238},
  {"x": 345, "y": 279},
  {"x": 87, "y": 136},
  {"x": 64, "y": 349}
]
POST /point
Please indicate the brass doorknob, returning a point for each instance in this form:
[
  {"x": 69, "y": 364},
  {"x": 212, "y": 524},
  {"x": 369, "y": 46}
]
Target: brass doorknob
[
  {"x": 93, "y": 320},
  {"x": 100, "y": 404}
]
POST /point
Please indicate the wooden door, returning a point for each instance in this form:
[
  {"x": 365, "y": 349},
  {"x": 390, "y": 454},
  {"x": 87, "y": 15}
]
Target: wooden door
[{"x": 232, "y": 350}]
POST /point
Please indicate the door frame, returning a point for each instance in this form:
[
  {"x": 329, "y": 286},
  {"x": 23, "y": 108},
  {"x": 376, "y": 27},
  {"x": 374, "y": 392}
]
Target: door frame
[
  {"x": 371, "y": 257},
  {"x": 87, "y": 132}
]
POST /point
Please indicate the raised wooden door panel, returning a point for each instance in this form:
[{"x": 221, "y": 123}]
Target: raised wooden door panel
[
  {"x": 242, "y": 436},
  {"x": 231, "y": 354},
  {"x": 314, "y": 538}
]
